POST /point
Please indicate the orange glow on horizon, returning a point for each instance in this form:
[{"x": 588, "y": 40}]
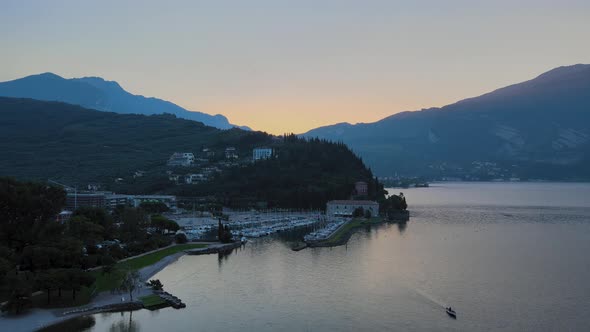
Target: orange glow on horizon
[{"x": 279, "y": 117}]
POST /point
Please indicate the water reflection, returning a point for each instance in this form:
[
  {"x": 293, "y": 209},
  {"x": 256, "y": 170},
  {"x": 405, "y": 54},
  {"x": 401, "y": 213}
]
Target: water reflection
[
  {"x": 527, "y": 266},
  {"x": 75, "y": 324},
  {"x": 224, "y": 256},
  {"x": 401, "y": 227},
  {"x": 125, "y": 325}
]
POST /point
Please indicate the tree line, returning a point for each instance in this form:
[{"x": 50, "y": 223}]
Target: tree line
[
  {"x": 303, "y": 174},
  {"x": 38, "y": 252}
]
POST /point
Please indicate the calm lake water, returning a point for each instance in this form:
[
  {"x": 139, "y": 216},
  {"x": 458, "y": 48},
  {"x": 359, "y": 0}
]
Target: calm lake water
[{"x": 507, "y": 256}]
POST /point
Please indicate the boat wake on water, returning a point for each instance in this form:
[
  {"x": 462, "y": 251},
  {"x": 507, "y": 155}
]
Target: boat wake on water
[
  {"x": 430, "y": 298},
  {"x": 437, "y": 302}
]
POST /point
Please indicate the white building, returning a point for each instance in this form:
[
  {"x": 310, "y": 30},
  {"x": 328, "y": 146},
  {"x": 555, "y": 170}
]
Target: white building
[
  {"x": 181, "y": 159},
  {"x": 169, "y": 200},
  {"x": 231, "y": 153},
  {"x": 261, "y": 153},
  {"x": 195, "y": 178},
  {"x": 112, "y": 200},
  {"x": 345, "y": 208}
]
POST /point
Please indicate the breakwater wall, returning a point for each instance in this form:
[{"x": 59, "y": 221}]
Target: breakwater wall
[{"x": 214, "y": 249}]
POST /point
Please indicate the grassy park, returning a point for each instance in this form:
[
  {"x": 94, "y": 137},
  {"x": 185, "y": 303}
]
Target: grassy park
[
  {"x": 152, "y": 301},
  {"x": 111, "y": 280}
]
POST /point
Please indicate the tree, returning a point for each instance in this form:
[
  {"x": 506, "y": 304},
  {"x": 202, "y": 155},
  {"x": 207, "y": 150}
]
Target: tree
[
  {"x": 6, "y": 265},
  {"x": 154, "y": 207},
  {"x": 108, "y": 264},
  {"x": 38, "y": 257},
  {"x": 358, "y": 212},
  {"x": 47, "y": 280},
  {"x": 20, "y": 295},
  {"x": 224, "y": 233},
  {"x": 156, "y": 284},
  {"x": 24, "y": 208},
  {"x": 163, "y": 224},
  {"x": 219, "y": 229},
  {"x": 77, "y": 279},
  {"x": 404, "y": 204},
  {"x": 82, "y": 228},
  {"x": 393, "y": 204},
  {"x": 180, "y": 238},
  {"x": 368, "y": 214},
  {"x": 98, "y": 216},
  {"x": 130, "y": 283},
  {"x": 133, "y": 224}
]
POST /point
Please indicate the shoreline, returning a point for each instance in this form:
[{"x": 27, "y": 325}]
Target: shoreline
[
  {"x": 401, "y": 217},
  {"x": 37, "y": 318}
]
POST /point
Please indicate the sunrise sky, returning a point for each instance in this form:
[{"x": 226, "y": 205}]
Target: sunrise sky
[{"x": 290, "y": 66}]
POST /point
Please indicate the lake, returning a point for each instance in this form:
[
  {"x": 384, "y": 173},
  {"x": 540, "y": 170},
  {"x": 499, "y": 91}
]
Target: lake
[{"x": 506, "y": 256}]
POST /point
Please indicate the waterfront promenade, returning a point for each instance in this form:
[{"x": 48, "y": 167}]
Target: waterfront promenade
[{"x": 37, "y": 318}]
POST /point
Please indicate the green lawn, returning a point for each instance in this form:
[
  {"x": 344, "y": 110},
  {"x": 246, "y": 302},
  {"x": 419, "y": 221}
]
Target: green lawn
[
  {"x": 109, "y": 281},
  {"x": 152, "y": 301},
  {"x": 147, "y": 260}
]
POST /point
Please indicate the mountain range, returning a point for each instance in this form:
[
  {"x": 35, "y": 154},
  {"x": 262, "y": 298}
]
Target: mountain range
[
  {"x": 102, "y": 95},
  {"x": 536, "y": 129}
]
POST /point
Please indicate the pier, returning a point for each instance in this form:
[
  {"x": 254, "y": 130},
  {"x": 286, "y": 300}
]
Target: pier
[{"x": 215, "y": 248}]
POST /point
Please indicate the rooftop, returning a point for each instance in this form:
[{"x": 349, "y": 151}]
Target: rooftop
[{"x": 352, "y": 202}]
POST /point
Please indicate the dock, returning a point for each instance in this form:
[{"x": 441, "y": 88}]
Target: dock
[{"x": 216, "y": 248}]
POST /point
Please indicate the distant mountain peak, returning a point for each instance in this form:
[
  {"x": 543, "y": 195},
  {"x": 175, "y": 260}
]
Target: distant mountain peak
[
  {"x": 564, "y": 71},
  {"x": 49, "y": 75},
  {"x": 102, "y": 95},
  {"x": 539, "y": 128},
  {"x": 100, "y": 82}
]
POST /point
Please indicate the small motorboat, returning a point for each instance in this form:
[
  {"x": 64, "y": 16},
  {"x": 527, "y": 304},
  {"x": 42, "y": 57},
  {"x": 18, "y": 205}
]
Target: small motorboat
[{"x": 451, "y": 312}]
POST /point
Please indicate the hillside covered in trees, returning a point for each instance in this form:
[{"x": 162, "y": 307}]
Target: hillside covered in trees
[
  {"x": 302, "y": 174},
  {"x": 50, "y": 140},
  {"x": 71, "y": 144}
]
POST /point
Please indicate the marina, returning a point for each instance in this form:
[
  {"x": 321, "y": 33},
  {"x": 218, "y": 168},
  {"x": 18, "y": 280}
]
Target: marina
[
  {"x": 245, "y": 225},
  {"x": 326, "y": 232}
]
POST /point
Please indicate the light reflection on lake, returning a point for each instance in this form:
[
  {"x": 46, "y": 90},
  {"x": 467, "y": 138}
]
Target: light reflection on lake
[{"x": 508, "y": 257}]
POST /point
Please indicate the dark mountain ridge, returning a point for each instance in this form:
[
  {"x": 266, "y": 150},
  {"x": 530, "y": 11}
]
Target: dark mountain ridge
[
  {"x": 43, "y": 140},
  {"x": 97, "y": 93},
  {"x": 539, "y": 128}
]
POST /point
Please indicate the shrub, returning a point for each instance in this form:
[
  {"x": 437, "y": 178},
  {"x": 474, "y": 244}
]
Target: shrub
[
  {"x": 180, "y": 238},
  {"x": 156, "y": 284}
]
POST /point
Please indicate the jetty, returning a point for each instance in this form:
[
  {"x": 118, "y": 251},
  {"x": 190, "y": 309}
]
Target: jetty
[
  {"x": 174, "y": 301},
  {"x": 215, "y": 248},
  {"x": 299, "y": 246}
]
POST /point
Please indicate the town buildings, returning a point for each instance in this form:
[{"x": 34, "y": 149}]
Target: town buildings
[
  {"x": 181, "y": 159},
  {"x": 231, "y": 153},
  {"x": 194, "y": 178},
  {"x": 261, "y": 153},
  {"x": 109, "y": 200},
  {"x": 75, "y": 200},
  {"x": 169, "y": 200},
  {"x": 208, "y": 153},
  {"x": 345, "y": 208}
]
